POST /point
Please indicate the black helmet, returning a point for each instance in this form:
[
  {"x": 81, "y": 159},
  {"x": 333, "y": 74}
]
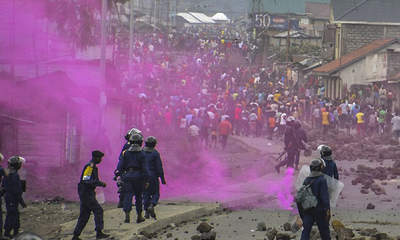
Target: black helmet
[
  {"x": 15, "y": 162},
  {"x": 136, "y": 139},
  {"x": 325, "y": 151},
  {"x": 316, "y": 165},
  {"x": 151, "y": 142}
]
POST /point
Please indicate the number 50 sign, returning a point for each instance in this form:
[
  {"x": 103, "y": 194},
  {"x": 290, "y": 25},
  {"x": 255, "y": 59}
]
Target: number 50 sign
[{"x": 262, "y": 20}]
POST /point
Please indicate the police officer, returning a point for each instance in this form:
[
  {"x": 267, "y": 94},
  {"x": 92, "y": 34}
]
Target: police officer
[
  {"x": 12, "y": 187},
  {"x": 321, "y": 213},
  {"x": 291, "y": 144},
  {"x": 2, "y": 175},
  {"x": 117, "y": 177},
  {"x": 301, "y": 137},
  {"x": 330, "y": 168},
  {"x": 155, "y": 169},
  {"x": 86, "y": 189},
  {"x": 132, "y": 165}
]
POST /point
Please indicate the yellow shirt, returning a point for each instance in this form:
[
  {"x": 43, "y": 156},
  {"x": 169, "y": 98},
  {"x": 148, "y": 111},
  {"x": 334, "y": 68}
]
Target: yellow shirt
[
  {"x": 325, "y": 118},
  {"x": 276, "y": 97},
  {"x": 360, "y": 117}
]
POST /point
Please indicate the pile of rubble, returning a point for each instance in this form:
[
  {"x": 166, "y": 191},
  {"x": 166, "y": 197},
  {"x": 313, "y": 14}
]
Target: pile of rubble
[
  {"x": 206, "y": 232},
  {"x": 352, "y": 148}
]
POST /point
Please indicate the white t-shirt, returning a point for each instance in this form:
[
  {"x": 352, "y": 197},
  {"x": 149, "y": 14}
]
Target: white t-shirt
[{"x": 396, "y": 123}]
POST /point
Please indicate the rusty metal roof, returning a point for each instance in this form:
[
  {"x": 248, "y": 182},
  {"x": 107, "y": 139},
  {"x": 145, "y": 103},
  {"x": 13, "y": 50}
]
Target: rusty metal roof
[{"x": 354, "y": 56}]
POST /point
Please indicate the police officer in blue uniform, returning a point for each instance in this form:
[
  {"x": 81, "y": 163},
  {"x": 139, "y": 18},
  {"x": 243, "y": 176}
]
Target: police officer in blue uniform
[
  {"x": 155, "y": 169},
  {"x": 117, "y": 174},
  {"x": 86, "y": 189},
  {"x": 330, "y": 168},
  {"x": 134, "y": 176},
  {"x": 2, "y": 175},
  {"x": 321, "y": 213},
  {"x": 12, "y": 187}
]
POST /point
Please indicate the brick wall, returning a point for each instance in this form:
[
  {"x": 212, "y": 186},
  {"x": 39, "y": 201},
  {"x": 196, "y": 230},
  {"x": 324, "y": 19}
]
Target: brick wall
[{"x": 356, "y": 35}]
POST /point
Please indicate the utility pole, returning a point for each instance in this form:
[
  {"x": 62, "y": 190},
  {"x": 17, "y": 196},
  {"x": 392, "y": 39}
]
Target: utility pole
[
  {"x": 168, "y": 15},
  {"x": 288, "y": 41},
  {"x": 131, "y": 29}
]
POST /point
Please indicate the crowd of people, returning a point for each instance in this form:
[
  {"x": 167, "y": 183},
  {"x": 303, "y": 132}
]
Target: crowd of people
[{"x": 190, "y": 83}]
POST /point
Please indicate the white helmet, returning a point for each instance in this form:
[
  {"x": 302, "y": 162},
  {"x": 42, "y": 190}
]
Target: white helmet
[{"x": 291, "y": 119}]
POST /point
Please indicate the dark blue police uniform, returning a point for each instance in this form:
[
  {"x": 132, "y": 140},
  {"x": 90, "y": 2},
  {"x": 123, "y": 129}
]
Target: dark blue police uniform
[
  {"x": 132, "y": 165},
  {"x": 155, "y": 170},
  {"x": 121, "y": 189},
  {"x": 13, "y": 197},
  {"x": 319, "y": 187},
  {"x": 330, "y": 168},
  {"x": 2, "y": 175},
  {"x": 86, "y": 189}
]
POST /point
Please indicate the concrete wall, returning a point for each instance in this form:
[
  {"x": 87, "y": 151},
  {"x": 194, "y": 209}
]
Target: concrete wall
[
  {"x": 393, "y": 62},
  {"x": 373, "y": 68},
  {"x": 356, "y": 35}
]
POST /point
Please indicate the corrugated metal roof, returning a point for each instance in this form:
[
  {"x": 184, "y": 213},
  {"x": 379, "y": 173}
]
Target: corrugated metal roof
[
  {"x": 354, "y": 56},
  {"x": 189, "y": 18},
  {"x": 202, "y": 17},
  {"x": 386, "y": 11}
]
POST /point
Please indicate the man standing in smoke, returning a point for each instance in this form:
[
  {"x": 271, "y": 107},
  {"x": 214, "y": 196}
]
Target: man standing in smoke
[
  {"x": 88, "y": 203},
  {"x": 155, "y": 170},
  {"x": 2, "y": 175},
  {"x": 301, "y": 137},
  {"x": 291, "y": 144},
  {"x": 225, "y": 128},
  {"x": 134, "y": 176},
  {"x": 117, "y": 177}
]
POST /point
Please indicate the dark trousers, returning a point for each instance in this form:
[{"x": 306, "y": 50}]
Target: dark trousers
[
  {"x": 133, "y": 187},
  {"x": 289, "y": 160},
  {"x": 1, "y": 217},
  {"x": 297, "y": 159},
  {"x": 323, "y": 225},
  {"x": 152, "y": 194},
  {"x": 12, "y": 216},
  {"x": 88, "y": 204},
  {"x": 224, "y": 140}
]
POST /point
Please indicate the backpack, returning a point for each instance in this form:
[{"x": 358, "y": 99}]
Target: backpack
[{"x": 306, "y": 198}]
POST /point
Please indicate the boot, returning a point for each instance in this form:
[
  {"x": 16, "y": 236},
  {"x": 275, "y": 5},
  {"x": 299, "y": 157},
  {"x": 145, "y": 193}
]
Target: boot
[
  {"x": 140, "y": 218},
  {"x": 277, "y": 168},
  {"x": 127, "y": 217},
  {"x": 76, "y": 238},
  {"x": 101, "y": 235},
  {"x": 151, "y": 211},
  {"x": 7, "y": 234},
  {"x": 146, "y": 214}
]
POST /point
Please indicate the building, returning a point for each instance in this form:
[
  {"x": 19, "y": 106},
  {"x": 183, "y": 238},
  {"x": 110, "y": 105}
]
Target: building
[
  {"x": 318, "y": 17},
  {"x": 359, "y": 22},
  {"x": 377, "y": 61}
]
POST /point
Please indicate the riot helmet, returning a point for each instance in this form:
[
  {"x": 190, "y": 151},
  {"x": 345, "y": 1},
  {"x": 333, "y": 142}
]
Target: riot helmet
[
  {"x": 15, "y": 162},
  {"x": 136, "y": 139},
  {"x": 316, "y": 165},
  {"x": 131, "y": 132},
  {"x": 151, "y": 142},
  {"x": 325, "y": 151}
]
